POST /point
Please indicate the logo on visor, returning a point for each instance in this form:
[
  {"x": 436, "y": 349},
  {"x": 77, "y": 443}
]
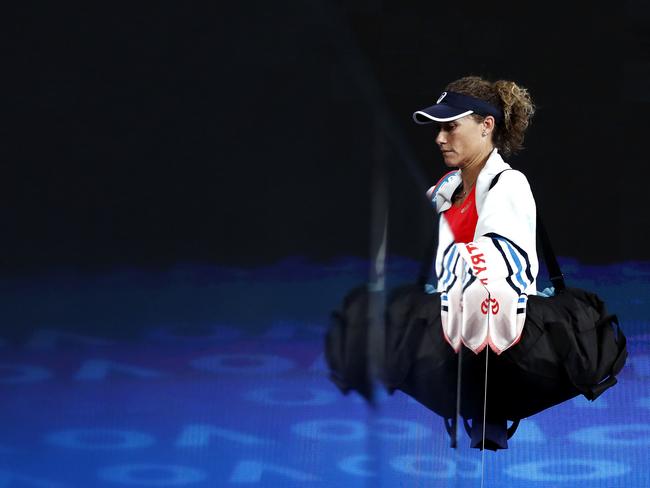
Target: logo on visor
[{"x": 444, "y": 94}]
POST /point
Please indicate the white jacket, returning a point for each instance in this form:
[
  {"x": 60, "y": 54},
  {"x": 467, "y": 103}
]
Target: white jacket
[{"x": 484, "y": 285}]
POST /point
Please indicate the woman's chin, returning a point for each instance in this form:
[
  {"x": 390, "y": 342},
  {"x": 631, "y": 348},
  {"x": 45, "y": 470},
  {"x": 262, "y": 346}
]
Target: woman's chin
[{"x": 450, "y": 160}]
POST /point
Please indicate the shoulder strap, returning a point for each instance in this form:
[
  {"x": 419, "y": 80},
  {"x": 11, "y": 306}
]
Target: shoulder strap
[
  {"x": 555, "y": 273},
  {"x": 552, "y": 266},
  {"x": 495, "y": 180}
]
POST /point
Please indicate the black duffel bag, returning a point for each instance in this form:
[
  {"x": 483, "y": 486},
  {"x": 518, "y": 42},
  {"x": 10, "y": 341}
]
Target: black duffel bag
[{"x": 570, "y": 345}]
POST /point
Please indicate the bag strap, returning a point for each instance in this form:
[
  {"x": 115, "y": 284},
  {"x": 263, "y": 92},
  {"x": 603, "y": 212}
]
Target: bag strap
[
  {"x": 555, "y": 273},
  {"x": 552, "y": 266}
]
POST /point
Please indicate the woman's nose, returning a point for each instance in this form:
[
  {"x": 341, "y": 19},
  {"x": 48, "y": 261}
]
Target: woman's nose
[{"x": 440, "y": 137}]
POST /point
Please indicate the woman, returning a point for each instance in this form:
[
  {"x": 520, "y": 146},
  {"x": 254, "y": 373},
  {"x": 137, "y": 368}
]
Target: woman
[
  {"x": 485, "y": 309},
  {"x": 486, "y": 261},
  {"x": 493, "y": 276}
]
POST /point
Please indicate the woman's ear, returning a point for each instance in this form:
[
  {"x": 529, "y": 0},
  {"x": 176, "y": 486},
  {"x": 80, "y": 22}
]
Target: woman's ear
[{"x": 488, "y": 123}]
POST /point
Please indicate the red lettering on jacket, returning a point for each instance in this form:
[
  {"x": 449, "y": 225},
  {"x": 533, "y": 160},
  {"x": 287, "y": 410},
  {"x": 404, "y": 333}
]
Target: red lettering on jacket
[{"x": 478, "y": 258}]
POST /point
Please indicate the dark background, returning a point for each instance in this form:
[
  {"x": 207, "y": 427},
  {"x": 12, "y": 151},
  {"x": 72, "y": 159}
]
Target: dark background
[{"x": 243, "y": 133}]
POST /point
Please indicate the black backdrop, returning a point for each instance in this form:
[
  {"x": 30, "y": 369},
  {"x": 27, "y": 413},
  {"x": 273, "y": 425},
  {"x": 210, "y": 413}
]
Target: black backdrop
[{"x": 243, "y": 133}]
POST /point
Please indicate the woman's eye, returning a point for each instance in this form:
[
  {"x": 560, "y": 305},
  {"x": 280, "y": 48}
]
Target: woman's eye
[{"x": 445, "y": 128}]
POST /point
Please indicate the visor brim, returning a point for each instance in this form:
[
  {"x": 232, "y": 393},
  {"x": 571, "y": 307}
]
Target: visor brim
[{"x": 439, "y": 113}]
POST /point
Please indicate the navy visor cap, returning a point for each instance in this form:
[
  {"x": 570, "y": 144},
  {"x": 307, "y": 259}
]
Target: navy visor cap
[{"x": 451, "y": 106}]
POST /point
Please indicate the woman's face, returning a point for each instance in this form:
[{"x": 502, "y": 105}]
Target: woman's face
[{"x": 461, "y": 141}]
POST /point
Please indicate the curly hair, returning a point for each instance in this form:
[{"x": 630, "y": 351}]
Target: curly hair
[{"x": 512, "y": 99}]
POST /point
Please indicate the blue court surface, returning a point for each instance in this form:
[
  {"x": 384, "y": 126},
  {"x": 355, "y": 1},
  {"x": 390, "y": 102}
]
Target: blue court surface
[{"x": 207, "y": 376}]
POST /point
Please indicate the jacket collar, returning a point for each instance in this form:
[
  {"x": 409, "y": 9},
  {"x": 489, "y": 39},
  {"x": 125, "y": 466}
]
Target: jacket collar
[{"x": 442, "y": 193}]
